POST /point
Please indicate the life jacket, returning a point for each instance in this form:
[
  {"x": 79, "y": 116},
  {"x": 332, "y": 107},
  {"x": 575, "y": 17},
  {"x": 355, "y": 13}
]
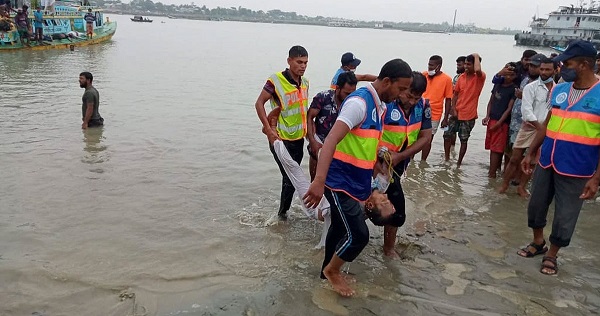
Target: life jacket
[
  {"x": 291, "y": 124},
  {"x": 572, "y": 142},
  {"x": 397, "y": 129},
  {"x": 351, "y": 169}
]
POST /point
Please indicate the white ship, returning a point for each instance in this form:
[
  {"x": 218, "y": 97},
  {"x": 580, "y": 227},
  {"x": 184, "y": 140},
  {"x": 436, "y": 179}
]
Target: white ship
[{"x": 563, "y": 26}]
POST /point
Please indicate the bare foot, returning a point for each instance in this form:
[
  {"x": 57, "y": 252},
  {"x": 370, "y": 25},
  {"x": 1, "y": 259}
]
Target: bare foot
[
  {"x": 338, "y": 282},
  {"x": 503, "y": 188},
  {"x": 523, "y": 192},
  {"x": 348, "y": 278},
  {"x": 391, "y": 253}
]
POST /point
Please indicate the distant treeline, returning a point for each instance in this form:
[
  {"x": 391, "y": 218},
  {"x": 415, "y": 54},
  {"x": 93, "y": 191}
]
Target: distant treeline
[{"x": 192, "y": 10}]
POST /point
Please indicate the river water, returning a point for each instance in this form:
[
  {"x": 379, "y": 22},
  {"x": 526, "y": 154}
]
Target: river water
[{"x": 164, "y": 210}]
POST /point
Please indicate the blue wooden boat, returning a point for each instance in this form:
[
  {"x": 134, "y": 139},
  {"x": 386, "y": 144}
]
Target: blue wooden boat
[{"x": 63, "y": 28}]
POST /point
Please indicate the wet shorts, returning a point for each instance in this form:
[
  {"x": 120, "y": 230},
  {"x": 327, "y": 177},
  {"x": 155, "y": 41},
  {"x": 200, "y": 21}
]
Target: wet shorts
[
  {"x": 463, "y": 128},
  {"x": 496, "y": 141}
]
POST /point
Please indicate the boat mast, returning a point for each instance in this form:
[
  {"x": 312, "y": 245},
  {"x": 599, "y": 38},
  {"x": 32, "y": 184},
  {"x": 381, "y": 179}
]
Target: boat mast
[{"x": 454, "y": 22}]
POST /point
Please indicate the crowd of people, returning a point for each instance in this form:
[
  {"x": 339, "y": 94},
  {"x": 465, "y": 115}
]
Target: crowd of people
[{"x": 543, "y": 110}]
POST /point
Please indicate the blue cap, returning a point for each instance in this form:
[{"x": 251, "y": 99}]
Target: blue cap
[
  {"x": 348, "y": 59},
  {"x": 577, "y": 48}
]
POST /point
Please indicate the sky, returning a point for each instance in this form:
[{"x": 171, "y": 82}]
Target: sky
[{"x": 514, "y": 14}]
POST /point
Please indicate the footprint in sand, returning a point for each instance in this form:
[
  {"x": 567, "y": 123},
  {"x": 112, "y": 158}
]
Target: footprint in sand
[
  {"x": 327, "y": 299},
  {"x": 452, "y": 273}
]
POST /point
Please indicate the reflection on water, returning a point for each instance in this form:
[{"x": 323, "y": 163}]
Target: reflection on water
[{"x": 94, "y": 147}]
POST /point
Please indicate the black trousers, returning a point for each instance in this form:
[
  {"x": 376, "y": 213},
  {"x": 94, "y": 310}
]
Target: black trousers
[
  {"x": 296, "y": 150},
  {"x": 396, "y": 196},
  {"x": 348, "y": 234}
]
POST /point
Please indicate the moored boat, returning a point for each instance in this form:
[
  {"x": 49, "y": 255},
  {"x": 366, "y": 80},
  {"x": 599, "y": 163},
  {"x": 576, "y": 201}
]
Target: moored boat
[
  {"x": 63, "y": 29},
  {"x": 562, "y": 26},
  {"x": 139, "y": 18}
]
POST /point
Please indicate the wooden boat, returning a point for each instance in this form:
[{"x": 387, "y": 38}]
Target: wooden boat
[
  {"x": 63, "y": 29},
  {"x": 139, "y": 18}
]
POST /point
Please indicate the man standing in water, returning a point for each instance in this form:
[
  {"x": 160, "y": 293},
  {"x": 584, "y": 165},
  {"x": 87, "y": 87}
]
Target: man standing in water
[
  {"x": 406, "y": 130},
  {"x": 569, "y": 166},
  {"x": 287, "y": 90},
  {"x": 439, "y": 93},
  {"x": 534, "y": 107},
  {"x": 91, "y": 102},
  {"x": 345, "y": 168},
  {"x": 464, "y": 106},
  {"x": 322, "y": 114}
]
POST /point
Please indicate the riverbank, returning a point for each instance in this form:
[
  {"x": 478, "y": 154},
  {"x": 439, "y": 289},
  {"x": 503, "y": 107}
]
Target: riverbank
[{"x": 325, "y": 22}]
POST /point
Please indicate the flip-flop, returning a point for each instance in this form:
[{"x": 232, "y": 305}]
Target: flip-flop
[
  {"x": 553, "y": 267},
  {"x": 539, "y": 250}
]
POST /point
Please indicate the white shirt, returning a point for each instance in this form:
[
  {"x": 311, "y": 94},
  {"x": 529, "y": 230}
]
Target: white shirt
[
  {"x": 354, "y": 109},
  {"x": 535, "y": 101}
]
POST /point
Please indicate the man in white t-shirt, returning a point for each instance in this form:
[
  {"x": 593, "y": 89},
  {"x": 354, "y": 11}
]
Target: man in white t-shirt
[{"x": 345, "y": 168}]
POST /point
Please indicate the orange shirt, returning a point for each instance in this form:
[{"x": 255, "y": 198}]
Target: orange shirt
[
  {"x": 468, "y": 89},
  {"x": 439, "y": 88}
]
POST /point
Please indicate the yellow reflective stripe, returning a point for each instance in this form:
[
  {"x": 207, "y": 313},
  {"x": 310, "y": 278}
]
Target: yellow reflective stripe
[
  {"x": 358, "y": 147},
  {"x": 291, "y": 112},
  {"x": 573, "y": 126}
]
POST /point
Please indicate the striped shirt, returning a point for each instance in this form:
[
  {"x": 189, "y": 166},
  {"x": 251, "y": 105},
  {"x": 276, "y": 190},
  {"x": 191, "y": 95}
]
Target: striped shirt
[{"x": 575, "y": 94}]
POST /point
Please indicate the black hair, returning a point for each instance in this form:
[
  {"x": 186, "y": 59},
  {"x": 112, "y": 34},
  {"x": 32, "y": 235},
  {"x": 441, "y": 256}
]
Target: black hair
[
  {"x": 395, "y": 69},
  {"x": 471, "y": 59},
  {"x": 461, "y": 59},
  {"x": 297, "y": 51},
  {"x": 87, "y": 75},
  {"x": 547, "y": 60},
  {"x": 528, "y": 53},
  {"x": 436, "y": 58},
  {"x": 344, "y": 78},
  {"x": 419, "y": 83}
]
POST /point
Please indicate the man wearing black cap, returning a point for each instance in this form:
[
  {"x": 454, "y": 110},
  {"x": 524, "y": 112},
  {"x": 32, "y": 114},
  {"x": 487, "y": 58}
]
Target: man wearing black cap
[
  {"x": 288, "y": 91},
  {"x": 568, "y": 169},
  {"x": 349, "y": 63}
]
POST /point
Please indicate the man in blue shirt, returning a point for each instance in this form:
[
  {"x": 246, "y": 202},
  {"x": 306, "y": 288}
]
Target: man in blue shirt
[
  {"x": 349, "y": 63},
  {"x": 38, "y": 23},
  {"x": 89, "y": 23}
]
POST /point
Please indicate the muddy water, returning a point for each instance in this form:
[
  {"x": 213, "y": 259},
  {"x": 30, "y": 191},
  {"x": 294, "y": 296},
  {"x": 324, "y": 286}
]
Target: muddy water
[{"x": 164, "y": 211}]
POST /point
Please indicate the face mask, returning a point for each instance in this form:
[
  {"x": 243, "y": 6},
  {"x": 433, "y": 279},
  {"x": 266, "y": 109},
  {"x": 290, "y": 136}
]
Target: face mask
[
  {"x": 550, "y": 79},
  {"x": 431, "y": 73},
  {"x": 568, "y": 75},
  {"x": 353, "y": 70}
]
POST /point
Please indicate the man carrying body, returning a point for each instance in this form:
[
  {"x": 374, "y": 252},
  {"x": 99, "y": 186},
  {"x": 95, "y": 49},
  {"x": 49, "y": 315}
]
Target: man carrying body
[
  {"x": 89, "y": 18},
  {"x": 464, "y": 106},
  {"x": 288, "y": 90},
  {"x": 406, "y": 130},
  {"x": 345, "y": 168},
  {"x": 534, "y": 109},
  {"x": 350, "y": 63},
  {"x": 568, "y": 169},
  {"x": 439, "y": 93},
  {"x": 322, "y": 114},
  {"x": 91, "y": 102}
]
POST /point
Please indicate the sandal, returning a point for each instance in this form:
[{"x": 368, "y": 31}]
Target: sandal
[
  {"x": 553, "y": 268},
  {"x": 539, "y": 250}
]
